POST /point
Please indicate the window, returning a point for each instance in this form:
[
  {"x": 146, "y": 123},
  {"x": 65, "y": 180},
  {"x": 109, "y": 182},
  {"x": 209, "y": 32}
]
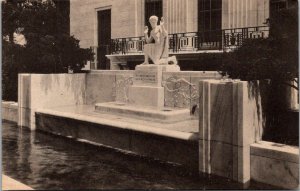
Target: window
[
  {"x": 277, "y": 5},
  {"x": 209, "y": 15},
  {"x": 152, "y": 7},
  {"x": 210, "y": 19}
]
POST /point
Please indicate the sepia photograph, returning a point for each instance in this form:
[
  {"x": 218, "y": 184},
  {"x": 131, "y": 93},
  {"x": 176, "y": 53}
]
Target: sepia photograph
[{"x": 150, "y": 95}]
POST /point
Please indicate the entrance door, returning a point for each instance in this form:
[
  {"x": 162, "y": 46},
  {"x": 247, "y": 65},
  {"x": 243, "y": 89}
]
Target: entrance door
[{"x": 104, "y": 37}]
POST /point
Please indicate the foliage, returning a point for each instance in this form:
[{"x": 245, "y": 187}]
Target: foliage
[
  {"x": 273, "y": 61},
  {"x": 49, "y": 48},
  {"x": 274, "y": 58}
]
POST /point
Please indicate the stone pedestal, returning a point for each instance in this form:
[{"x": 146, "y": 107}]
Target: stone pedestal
[{"x": 147, "y": 87}]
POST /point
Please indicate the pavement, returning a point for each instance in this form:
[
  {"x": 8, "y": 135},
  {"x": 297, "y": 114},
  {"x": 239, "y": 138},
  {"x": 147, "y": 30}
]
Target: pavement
[{"x": 12, "y": 184}]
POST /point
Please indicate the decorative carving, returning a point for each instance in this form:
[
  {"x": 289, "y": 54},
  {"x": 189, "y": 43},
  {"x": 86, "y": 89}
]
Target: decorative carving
[
  {"x": 121, "y": 88},
  {"x": 181, "y": 89}
]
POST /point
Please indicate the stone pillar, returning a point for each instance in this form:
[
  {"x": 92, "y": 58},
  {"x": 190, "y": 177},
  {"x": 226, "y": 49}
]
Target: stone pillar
[
  {"x": 24, "y": 101},
  {"x": 147, "y": 87},
  {"x": 227, "y": 127}
]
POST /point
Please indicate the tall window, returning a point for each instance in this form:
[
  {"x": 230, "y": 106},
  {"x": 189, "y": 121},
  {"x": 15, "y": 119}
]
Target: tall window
[
  {"x": 277, "y": 5},
  {"x": 209, "y": 15},
  {"x": 152, "y": 7}
]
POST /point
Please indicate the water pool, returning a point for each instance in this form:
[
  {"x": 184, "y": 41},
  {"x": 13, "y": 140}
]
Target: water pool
[{"x": 44, "y": 161}]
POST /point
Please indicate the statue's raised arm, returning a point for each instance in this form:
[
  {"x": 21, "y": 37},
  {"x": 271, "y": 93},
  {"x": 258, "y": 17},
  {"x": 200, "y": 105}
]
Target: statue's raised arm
[{"x": 162, "y": 26}]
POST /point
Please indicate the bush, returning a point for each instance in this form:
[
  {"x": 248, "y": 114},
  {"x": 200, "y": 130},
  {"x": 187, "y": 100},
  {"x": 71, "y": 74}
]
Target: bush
[{"x": 274, "y": 59}]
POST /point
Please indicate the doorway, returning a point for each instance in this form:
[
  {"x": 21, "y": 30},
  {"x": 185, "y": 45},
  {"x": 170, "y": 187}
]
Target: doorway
[{"x": 104, "y": 38}]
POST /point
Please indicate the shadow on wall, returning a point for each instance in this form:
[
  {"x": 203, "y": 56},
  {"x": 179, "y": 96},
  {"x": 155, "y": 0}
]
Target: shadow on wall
[{"x": 64, "y": 85}]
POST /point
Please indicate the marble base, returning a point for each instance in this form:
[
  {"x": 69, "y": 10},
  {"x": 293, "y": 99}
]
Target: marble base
[
  {"x": 162, "y": 114},
  {"x": 151, "y": 75},
  {"x": 275, "y": 164},
  {"x": 146, "y": 96},
  {"x": 10, "y": 111},
  {"x": 147, "y": 87},
  {"x": 225, "y": 129}
]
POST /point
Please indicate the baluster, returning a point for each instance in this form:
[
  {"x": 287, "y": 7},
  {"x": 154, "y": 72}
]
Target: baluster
[{"x": 174, "y": 43}]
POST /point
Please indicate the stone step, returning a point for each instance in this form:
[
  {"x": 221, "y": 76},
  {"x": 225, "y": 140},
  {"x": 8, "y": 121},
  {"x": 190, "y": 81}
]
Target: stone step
[{"x": 163, "y": 114}]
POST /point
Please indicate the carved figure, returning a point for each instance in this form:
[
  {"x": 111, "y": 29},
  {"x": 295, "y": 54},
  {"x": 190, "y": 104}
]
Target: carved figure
[{"x": 156, "y": 47}]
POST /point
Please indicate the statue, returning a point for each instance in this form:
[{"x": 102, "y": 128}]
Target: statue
[{"x": 156, "y": 47}]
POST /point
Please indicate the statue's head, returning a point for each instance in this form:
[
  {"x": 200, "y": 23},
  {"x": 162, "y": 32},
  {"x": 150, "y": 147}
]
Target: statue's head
[{"x": 153, "y": 21}]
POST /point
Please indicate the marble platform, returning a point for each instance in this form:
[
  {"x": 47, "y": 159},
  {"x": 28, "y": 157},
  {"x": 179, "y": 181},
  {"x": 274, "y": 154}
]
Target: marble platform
[
  {"x": 162, "y": 114},
  {"x": 171, "y": 142}
]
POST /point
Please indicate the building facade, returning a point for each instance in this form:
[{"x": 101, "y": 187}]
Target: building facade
[{"x": 115, "y": 27}]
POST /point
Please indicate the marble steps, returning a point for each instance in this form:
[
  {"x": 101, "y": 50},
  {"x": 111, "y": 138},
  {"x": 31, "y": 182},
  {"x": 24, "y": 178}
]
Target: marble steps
[{"x": 163, "y": 114}]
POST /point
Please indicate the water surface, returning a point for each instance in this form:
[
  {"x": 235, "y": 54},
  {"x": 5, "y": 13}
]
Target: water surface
[{"x": 44, "y": 161}]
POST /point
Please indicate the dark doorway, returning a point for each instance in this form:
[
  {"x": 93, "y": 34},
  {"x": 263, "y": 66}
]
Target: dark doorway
[
  {"x": 104, "y": 37},
  {"x": 152, "y": 7}
]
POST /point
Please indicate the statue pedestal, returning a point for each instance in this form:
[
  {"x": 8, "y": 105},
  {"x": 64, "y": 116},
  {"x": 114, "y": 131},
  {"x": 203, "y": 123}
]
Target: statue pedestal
[
  {"x": 147, "y": 87},
  {"x": 146, "y": 97}
]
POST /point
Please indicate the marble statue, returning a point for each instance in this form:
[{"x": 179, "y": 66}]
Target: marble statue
[{"x": 156, "y": 47}]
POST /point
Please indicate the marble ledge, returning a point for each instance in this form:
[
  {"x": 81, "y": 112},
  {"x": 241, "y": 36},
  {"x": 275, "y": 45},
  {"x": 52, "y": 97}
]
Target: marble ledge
[
  {"x": 124, "y": 125},
  {"x": 9, "y": 104},
  {"x": 112, "y": 72},
  {"x": 275, "y": 151}
]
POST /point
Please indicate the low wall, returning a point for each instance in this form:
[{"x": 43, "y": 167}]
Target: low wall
[
  {"x": 10, "y": 111},
  {"x": 53, "y": 90},
  {"x": 107, "y": 85},
  {"x": 157, "y": 146},
  {"x": 181, "y": 89},
  {"x": 275, "y": 164},
  {"x": 46, "y": 91},
  {"x": 231, "y": 125}
]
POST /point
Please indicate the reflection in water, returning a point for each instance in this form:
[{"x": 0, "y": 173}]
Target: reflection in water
[{"x": 43, "y": 161}]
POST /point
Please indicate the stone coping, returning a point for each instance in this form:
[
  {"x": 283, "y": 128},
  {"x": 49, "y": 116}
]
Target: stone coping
[
  {"x": 275, "y": 151},
  {"x": 111, "y": 72},
  {"x": 144, "y": 128},
  {"x": 9, "y": 104},
  {"x": 203, "y": 74},
  {"x": 11, "y": 184}
]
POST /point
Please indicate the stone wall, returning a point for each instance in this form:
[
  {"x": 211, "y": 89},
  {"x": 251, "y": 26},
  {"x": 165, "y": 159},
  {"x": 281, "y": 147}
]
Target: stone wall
[
  {"x": 10, "y": 111},
  {"x": 231, "y": 125},
  {"x": 229, "y": 122},
  {"x": 55, "y": 90},
  {"x": 46, "y": 91},
  {"x": 108, "y": 85},
  {"x": 275, "y": 164},
  {"x": 127, "y": 17},
  {"x": 244, "y": 13},
  {"x": 181, "y": 88}
]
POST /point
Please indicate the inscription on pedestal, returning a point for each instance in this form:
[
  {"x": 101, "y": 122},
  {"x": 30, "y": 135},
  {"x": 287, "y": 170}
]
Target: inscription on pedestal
[{"x": 145, "y": 77}]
